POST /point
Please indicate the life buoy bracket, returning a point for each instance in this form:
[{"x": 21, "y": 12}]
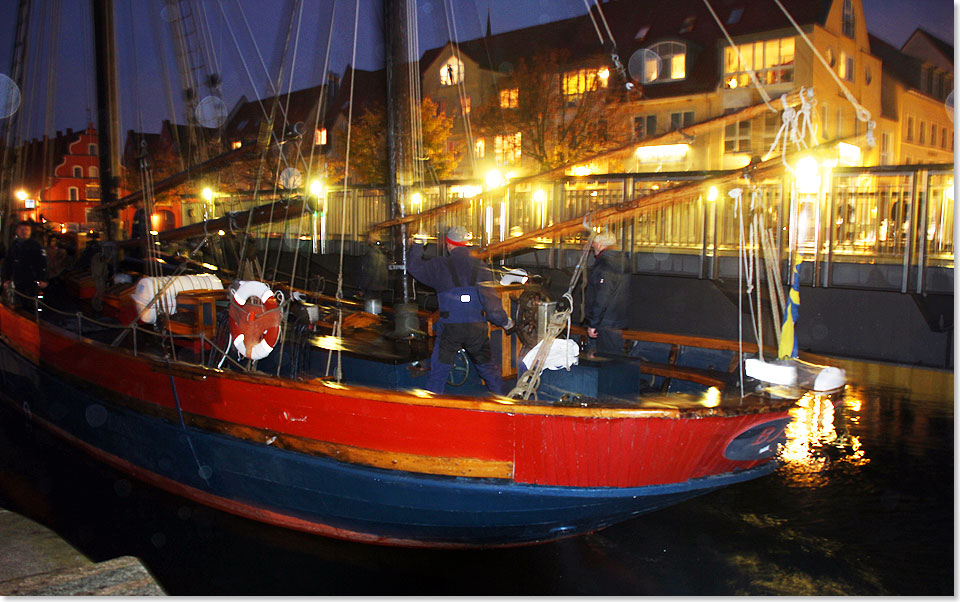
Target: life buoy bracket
[{"x": 254, "y": 327}]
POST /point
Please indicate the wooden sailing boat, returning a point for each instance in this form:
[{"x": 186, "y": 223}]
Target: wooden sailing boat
[{"x": 367, "y": 454}]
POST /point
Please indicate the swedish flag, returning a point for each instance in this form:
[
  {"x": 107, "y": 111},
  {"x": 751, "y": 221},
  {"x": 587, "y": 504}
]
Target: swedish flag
[{"x": 791, "y": 313}]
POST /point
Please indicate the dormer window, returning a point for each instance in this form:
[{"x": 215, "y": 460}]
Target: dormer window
[
  {"x": 849, "y": 19},
  {"x": 319, "y": 136},
  {"x": 667, "y": 63},
  {"x": 451, "y": 72}
]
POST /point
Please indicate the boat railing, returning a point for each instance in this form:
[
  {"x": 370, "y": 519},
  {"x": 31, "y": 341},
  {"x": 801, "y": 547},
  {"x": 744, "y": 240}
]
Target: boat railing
[{"x": 41, "y": 306}]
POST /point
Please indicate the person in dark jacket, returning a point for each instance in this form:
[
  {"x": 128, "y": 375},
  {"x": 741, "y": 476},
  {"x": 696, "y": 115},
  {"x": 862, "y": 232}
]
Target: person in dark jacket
[
  {"x": 25, "y": 266},
  {"x": 466, "y": 302},
  {"x": 607, "y": 295}
]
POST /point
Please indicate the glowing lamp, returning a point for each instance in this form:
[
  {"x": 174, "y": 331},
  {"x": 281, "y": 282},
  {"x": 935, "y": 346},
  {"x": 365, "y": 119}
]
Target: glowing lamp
[
  {"x": 21, "y": 195},
  {"x": 848, "y": 154},
  {"x": 207, "y": 194},
  {"x": 316, "y": 188},
  {"x": 807, "y": 175},
  {"x": 712, "y": 194},
  {"x": 662, "y": 153},
  {"x": 494, "y": 180}
]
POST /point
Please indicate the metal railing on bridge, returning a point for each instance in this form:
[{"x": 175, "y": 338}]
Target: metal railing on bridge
[{"x": 887, "y": 227}]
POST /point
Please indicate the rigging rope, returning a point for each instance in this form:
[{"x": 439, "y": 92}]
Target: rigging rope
[
  {"x": 338, "y": 325},
  {"x": 529, "y": 381},
  {"x": 461, "y": 89},
  {"x": 613, "y": 43},
  {"x": 862, "y": 113},
  {"x": 750, "y": 71}
]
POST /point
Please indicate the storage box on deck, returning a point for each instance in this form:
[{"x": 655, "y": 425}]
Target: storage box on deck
[
  {"x": 118, "y": 302},
  {"x": 81, "y": 285},
  {"x": 196, "y": 312}
]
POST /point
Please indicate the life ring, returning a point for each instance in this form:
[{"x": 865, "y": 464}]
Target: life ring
[{"x": 254, "y": 328}]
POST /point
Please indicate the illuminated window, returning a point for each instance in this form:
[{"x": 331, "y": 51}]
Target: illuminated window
[
  {"x": 736, "y": 137},
  {"x": 644, "y": 126},
  {"x": 846, "y": 66},
  {"x": 672, "y": 63},
  {"x": 771, "y": 60},
  {"x": 507, "y": 149},
  {"x": 93, "y": 172},
  {"x": 849, "y": 20},
  {"x": 575, "y": 83},
  {"x": 510, "y": 99},
  {"x": 236, "y": 144},
  {"x": 465, "y": 105},
  {"x": 319, "y": 136},
  {"x": 451, "y": 72},
  {"x": 479, "y": 148}
]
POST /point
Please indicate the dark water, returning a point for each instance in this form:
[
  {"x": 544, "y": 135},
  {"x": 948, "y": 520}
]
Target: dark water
[{"x": 863, "y": 504}]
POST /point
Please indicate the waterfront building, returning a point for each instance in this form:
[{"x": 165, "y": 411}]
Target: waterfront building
[{"x": 60, "y": 179}]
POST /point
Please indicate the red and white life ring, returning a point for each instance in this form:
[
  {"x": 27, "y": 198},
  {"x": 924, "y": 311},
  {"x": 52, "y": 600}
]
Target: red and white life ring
[{"x": 254, "y": 328}]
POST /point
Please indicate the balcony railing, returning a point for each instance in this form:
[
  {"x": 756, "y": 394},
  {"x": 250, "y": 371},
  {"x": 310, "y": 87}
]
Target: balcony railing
[{"x": 885, "y": 227}]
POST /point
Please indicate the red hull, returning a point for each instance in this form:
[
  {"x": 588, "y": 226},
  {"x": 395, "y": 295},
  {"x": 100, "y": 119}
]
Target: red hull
[{"x": 542, "y": 445}]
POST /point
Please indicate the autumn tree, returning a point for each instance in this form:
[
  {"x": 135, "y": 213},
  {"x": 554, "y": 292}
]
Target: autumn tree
[
  {"x": 563, "y": 114},
  {"x": 368, "y": 148}
]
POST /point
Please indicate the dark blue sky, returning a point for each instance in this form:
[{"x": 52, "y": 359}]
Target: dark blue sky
[{"x": 141, "y": 28}]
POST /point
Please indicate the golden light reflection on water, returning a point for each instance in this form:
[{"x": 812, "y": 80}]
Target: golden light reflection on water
[{"x": 813, "y": 440}]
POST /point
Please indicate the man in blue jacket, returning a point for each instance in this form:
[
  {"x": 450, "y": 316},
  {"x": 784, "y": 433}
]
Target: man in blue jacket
[
  {"x": 607, "y": 295},
  {"x": 466, "y": 302}
]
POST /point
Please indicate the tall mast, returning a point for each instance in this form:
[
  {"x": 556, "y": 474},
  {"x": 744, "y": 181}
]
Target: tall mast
[
  {"x": 10, "y": 141},
  {"x": 394, "y": 57},
  {"x": 107, "y": 108}
]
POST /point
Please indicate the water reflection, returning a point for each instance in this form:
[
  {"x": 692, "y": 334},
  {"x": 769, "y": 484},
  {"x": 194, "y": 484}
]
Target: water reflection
[
  {"x": 814, "y": 439},
  {"x": 861, "y": 505}
]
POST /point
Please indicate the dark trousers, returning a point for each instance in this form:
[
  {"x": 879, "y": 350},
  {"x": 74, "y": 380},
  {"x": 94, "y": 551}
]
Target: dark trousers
[
  {"x": 471, "y": 337},
  {"x": 610, "y": 341}
]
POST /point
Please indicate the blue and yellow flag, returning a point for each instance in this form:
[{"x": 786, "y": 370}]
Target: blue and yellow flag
[{"x": 791, "y": 313}]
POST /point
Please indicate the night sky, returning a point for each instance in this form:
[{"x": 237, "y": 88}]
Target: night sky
[{"x": 141, "y": 27}]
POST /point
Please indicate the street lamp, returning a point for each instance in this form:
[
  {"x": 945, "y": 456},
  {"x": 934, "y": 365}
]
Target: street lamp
[{"x": 317, "y": 221}]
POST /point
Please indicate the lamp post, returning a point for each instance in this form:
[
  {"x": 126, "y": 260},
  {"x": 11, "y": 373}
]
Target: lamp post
[{"x": 317, "y": 218}]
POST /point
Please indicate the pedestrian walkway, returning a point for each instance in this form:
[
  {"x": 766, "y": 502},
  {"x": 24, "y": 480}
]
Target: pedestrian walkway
[{"x": 35, "y": 561}]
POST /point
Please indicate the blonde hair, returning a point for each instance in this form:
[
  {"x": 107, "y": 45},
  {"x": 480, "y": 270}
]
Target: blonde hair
[{"x": 605, "y": 239}]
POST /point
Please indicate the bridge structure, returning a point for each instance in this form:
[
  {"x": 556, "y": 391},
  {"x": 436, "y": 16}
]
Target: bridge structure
[{"x": 877, "y": 244}]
